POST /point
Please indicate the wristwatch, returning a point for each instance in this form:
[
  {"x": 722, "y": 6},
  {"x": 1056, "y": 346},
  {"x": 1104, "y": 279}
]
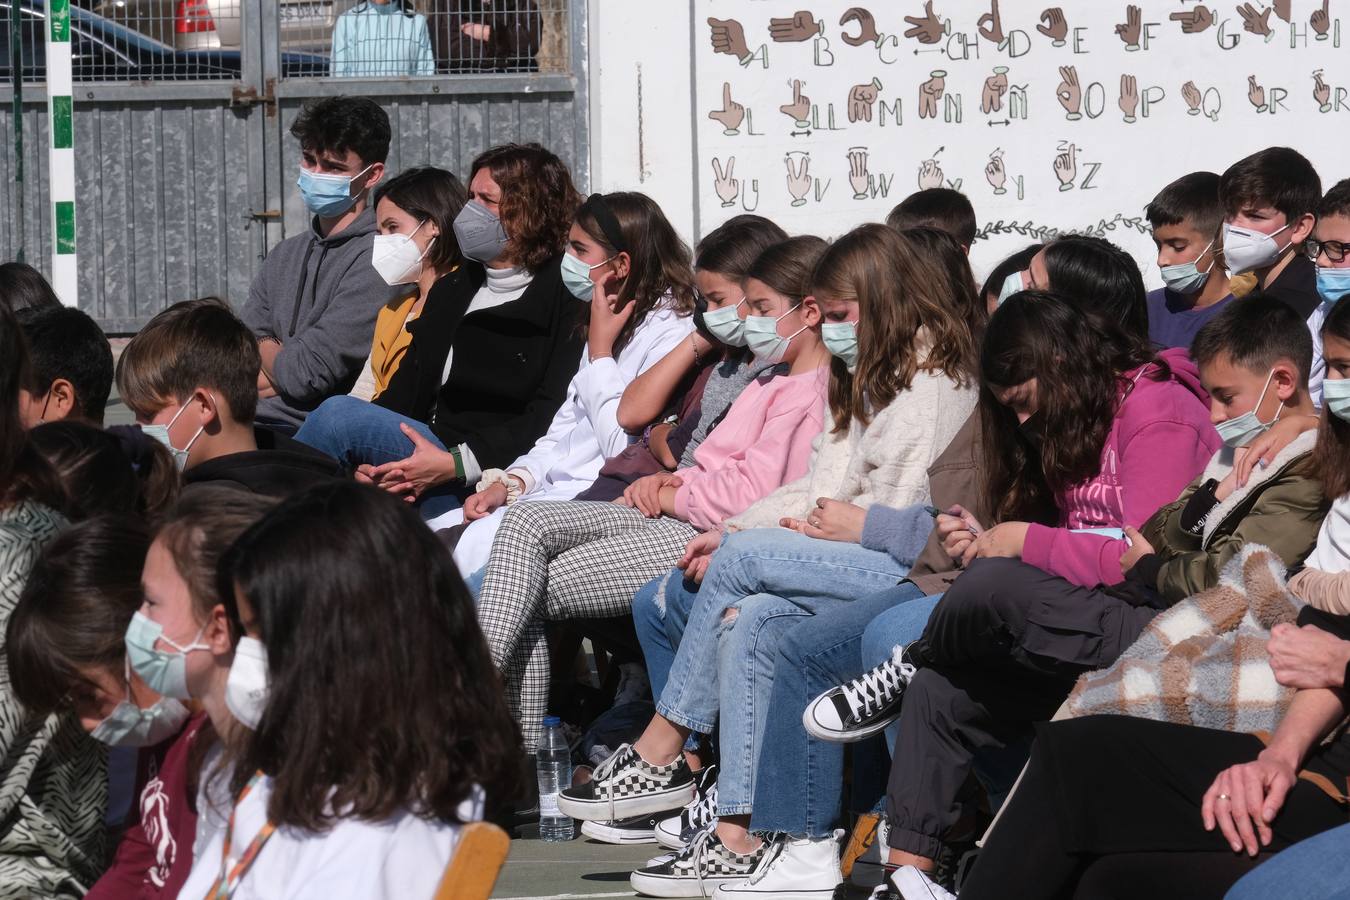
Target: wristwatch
[{"x": 672, "y": 421}]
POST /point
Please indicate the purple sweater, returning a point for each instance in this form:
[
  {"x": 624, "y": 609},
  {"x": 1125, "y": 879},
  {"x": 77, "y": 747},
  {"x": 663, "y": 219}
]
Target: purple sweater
[{"x": 1160, "y": 440}]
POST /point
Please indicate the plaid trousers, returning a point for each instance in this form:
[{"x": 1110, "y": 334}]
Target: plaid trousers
[{"x": 564, "y": 560}]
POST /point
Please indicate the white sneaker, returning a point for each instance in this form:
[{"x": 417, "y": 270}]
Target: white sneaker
[
  {"x": 791, "y": 869},
  {"x": 909, "y": 883}
]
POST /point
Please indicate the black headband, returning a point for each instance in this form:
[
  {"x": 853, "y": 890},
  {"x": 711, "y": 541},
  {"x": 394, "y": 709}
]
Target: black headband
[{"x": 604, "y": 217}]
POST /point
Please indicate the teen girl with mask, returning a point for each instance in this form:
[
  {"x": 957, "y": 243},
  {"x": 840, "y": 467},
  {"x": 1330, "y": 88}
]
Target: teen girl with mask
[
  {"x": 336, "y": 791},
  {"x": 494, "y": 347},
  {"x": 65, "y": 651},
  {"x": 585, "y": 560},
  {"x": 909, "y": 389},
  {"x": 631, "y": 270}
]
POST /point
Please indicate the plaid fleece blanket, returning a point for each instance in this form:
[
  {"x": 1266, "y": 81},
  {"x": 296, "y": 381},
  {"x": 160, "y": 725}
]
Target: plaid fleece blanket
[{"x": 1203, "y": 662}]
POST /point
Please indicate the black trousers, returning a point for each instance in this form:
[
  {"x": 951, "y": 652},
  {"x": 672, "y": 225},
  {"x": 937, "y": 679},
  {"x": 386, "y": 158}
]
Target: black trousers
[
  {"x": 1000, "y": 652},
  {"x": 1110, "y": 807}
]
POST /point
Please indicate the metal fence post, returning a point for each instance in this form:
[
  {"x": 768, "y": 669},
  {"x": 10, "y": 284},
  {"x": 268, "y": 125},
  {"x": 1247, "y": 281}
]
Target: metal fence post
[
  {"x": 61, "y": 152},
  {"x": 16, "y": 114}
]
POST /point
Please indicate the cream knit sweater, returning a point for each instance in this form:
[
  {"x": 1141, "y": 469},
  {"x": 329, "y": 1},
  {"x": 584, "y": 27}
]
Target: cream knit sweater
[{"x": 885, "y": 462}]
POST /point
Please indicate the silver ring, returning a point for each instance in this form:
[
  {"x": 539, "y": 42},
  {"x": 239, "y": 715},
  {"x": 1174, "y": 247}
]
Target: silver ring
[
  {"x": 813, "y": 521},
  {"x": 1223, "y": 797}
]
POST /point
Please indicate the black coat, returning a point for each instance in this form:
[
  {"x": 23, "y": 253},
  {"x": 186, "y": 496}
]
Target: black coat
[{"x": 511, "y": 366}]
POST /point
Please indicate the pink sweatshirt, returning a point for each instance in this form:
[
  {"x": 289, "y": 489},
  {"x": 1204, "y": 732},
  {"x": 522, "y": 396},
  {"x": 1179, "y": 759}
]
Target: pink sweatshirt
[
  {"x": 764, "y": 441},
  {"x": 1160, "y": 440}
]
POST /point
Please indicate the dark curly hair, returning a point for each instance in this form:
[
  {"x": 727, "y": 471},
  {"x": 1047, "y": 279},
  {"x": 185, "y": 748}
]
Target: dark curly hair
[
  {"x": 373, "y": 707},
  {"x": 538, "y": 200}
]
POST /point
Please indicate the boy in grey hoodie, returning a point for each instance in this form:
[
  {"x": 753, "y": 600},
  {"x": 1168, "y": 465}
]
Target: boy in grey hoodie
[{"x": 313, "y": 305}]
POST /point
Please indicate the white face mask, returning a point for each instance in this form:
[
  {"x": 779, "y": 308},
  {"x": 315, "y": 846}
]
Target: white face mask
[
  {"x": 161, "y": 434},
  {"x": 246, "y": 686},
  {"x": 763, "y": 339},
  {"x": 396, "y": 258},
  {"x": 1011, "y": 285},
  {"x": 1245, "y": 250},
  {"x": 130, "y": 726}
]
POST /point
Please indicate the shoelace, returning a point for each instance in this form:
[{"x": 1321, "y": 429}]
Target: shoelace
[
  {"x": 607, "y": 768},
  {"x": 777, "y": 844},
  {"x": 703, "y": 809},
  {"x": 878, "y": 687},
  {"x": 697, "y": 855}
]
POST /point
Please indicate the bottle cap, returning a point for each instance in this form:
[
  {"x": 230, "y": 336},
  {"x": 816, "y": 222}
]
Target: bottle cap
[{"x": 552, "y": 721}]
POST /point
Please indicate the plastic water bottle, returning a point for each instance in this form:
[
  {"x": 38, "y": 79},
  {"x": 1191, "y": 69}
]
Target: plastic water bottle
[{"x": 554, "y": 761}]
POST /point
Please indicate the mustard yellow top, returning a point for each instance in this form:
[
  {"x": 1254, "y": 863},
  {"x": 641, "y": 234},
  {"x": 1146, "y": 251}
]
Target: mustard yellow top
[{"x": 391, "y": 340}]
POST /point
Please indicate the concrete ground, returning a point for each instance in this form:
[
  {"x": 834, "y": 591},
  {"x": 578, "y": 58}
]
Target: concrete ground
[{"x": 576, "y": 870}]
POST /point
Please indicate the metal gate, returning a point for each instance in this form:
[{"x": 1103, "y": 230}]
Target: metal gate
[{"x": 184, "y": 182}]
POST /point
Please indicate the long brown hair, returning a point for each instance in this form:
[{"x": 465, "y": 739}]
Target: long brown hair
[
  {"x": 373, "y": 707},
  {"x": 24, "y": 474},
  {"x": 917, "y": 311},
  {"x": 659, "y": 259},
  {"x": 1331, "y": 456},
  {"x": 1078, "y": 358}
]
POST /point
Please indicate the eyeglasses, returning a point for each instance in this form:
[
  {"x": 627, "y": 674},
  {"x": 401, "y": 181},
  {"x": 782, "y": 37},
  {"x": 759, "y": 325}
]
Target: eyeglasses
[{"x": 1335, "y": 250}]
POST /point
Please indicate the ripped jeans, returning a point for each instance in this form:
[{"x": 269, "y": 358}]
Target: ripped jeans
[{"x": 759, "y": 585}]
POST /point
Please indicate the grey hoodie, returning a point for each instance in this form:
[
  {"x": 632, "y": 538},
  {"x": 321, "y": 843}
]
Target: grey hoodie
[{"x": 319, "y": 296}]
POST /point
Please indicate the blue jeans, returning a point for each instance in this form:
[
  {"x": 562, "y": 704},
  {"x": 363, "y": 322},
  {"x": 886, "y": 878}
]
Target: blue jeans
[
  {"x": 660, "y": 610},
  {"x": 354, "y": 432},
  {"x": 1314, "y": 869},
  {"x": 771, "y": 577},
  {"x": 799, "y": 789}
]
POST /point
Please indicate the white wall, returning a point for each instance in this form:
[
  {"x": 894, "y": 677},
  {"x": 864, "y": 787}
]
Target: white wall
[{"x": 1119, "y": 164}]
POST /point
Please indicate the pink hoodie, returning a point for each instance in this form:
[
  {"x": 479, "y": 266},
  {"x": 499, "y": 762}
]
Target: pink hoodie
[{"x": 1160, "y": 440}]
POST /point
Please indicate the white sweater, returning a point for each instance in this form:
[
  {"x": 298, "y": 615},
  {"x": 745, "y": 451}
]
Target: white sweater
[{"x": 885, "y": 462}]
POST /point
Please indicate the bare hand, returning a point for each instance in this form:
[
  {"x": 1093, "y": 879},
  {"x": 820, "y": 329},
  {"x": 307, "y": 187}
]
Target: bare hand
[
  {"x": 1307, "y": 658},
  {"x": 476, "y": 30},
  {"x": 957, "y": 528},
  {"x": 427, "y": 467},
  {"x": 1264, "y": 449},
  {"x": 1244, "y": 800},
  {"x": 644, "y": 495},
  {"x": 697, "y": 554},
  {"x": 1139, "y": 548},
  {"x": 607, "y": 319},
  {"x": 658, "y": 442},
  {"x": 485, "y": 502},
  {"x": 833, "y": 520},
  {"x": 1004, "y": 540}
]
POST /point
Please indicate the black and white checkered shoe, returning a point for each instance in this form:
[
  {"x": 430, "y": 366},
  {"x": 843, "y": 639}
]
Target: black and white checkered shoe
[
  {"x": 673, "y": 833},
  {"x": 697, "y": 870},
  {"x": 637, "y": 830},
  {"x": 863, "y": 706},
  {"x": 624, "y": 786}
]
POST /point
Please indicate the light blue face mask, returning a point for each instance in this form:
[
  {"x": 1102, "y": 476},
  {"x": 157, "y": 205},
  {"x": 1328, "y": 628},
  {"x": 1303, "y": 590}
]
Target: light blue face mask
[
  {"x": 1332, "y": 284},
  {"x": 841, "y": 339},
  {"x": 161, "y": 434},
  {"x": 1185, "y": 278},
  {"x": 726, "y": 324},
  {"x": 1011, "y": 285},
  {"x": 327, "y": 195},
  {"x": 576, "y": 275},
  {"x": 763, "y": 339},
  {"x": 1336, "y": 397},
  {"x": 1242, "y": 430},
  {"x": 162, "y": 671},
  {"x": 130, "y": 726}
]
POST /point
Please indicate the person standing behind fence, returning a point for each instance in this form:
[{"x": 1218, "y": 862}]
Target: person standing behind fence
[
  {"x": 486, "y": 35},
  {"x": 379, "y": 38},
  {"x": 313, "y": 304}
]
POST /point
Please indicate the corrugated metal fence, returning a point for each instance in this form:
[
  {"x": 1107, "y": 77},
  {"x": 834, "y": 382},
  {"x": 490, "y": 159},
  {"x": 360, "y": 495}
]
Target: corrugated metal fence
[{"x": 184, "y": 183}]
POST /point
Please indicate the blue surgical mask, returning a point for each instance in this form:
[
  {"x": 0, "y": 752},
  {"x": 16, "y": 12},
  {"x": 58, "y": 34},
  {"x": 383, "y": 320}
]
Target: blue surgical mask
[
  {"x": 1332, "y": 284},
  {"x": 1242, "y": 430},
  {"x": 1336, "y": 397},
  {"x": 1185, "y": 278},
  {"x": 130, "y": 726},
  {"x": 763, "y": 339},
  {"x": 1011, "y": 285},
  {"x": 841, "y": 339},
  {"x": 576, "y": 275},
  {"x": 164, "y": 672},
  {"x": 726, "y": 324},
  {"x": 161, "y": 434},
  {"x": 327, "y": 195}
]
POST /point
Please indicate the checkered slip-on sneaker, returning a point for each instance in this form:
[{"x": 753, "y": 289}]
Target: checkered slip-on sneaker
[
  {"x": 697, "y": 870},
  {"x": 673, "y": 833},
  {"x": 624, "y": 786},
  {"x": 637, "y": 830}
]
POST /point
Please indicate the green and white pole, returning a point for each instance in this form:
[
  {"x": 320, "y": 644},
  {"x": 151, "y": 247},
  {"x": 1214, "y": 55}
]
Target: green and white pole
[{"x": 61, "y": 152}]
